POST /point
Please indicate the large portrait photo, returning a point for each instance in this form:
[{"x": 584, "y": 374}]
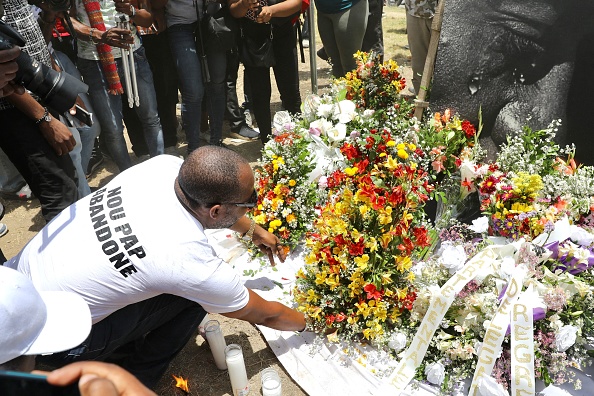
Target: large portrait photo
[{"x": 518, "y": 63}]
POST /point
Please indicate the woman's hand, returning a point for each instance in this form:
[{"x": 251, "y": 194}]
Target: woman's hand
[{"x": 265, "y": 15}]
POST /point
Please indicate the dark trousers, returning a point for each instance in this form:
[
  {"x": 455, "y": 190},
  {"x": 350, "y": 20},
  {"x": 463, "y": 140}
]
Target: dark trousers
[
  {"x": 52, "y": 178},
  {"x": 374, "y": 36},
  {"x": 232, "y": 112},
  {"x": 286, "y": 74},
  {"x": 143, "y": 337},
  {"x": 158, "y": 54}
]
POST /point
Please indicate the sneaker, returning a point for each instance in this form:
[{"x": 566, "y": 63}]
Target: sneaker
[
  {"x": 3, "y": 229},
  {"x": 322, "y": 54},
  {"x": 25, "y": 192},
  {"x": 246, "y": 133},
  {"x": 412, "y": 90},
  {"x": 94, "y": 163},
  {"x": 248, "y": 118},
  {"x": 305, "y": 43}
]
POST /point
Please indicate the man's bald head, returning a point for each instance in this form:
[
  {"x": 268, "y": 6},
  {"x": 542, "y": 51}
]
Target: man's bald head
[{"x": 211, "y": 174}]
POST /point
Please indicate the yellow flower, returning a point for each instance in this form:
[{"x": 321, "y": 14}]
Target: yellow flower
[
  {"x": 391, "y": 163},
  {"x": 402, "y": 154},
  {"x": 291, "y": 218},
  {"x": 351, "y": 171},
  {"x": 312, "y": 296},
  {"x": 274, "y": 224},
  {"x": 403, "y": 263},
  {"x": 412, "y": 147},
  {"x": 321, "y": 277},
  {"x": 292, "y": 183},
  {"x": 385, "y": 216},
  {"x": 371, "y": 244},
  {"x": 391, "y": 143},
  {"x": 363, "y": 209},
  {"x": 260, "y": 219},
  {"x": 362, "y": 261}
]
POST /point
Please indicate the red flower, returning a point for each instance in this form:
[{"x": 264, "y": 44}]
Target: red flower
[
  {"x": 469, "y": 129},
  {"x": 372, "y": 292},
  {"x": 357, "y": 249},
  {"x": 350, "y": 151}
]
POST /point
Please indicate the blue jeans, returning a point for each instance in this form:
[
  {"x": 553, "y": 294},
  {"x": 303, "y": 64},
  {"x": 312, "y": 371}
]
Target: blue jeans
[
  {"x": 189, "y": 71},
  {"x": 108, "y": 108},
  {"x": 87, "y": 133}
]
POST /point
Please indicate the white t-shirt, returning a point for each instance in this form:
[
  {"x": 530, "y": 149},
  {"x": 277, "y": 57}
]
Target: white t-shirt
[{"x": 130, "y": 241}]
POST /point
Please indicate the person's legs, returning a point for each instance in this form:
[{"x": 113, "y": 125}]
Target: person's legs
[
  {"x": 87, "y": 133},
  {"x": 419, "y": 34},
  {"x": 134, "y": 129},
  {"x": 51, "y": 177},
  {"x": 189, "y": 72},
  {"x": 11, "y": 180},
  {"x": 286, "y": 70},
  {"x": 234, "y": 115},
  {"x": 326, "y": 31},
  {"x": 374, "y": 36},
  {"x": 147, "y": 111},
  {"x": 108, "y": 110},
  {"x": 151, "y": 332},
  {"x": 349, "y": 30},
  {"x": 259, "y": 79},
  {"x": 216, "y": 98},
  {"x": 158, "y": 53}
]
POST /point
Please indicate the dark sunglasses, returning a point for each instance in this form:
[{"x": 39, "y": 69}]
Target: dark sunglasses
[{"x": 250, "y": 203}]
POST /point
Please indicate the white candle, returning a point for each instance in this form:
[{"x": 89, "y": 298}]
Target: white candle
[
  {"x": 271, "y": 383},
  {"x": 216, "y": 342},
  {"x": 237, "y": 373}
]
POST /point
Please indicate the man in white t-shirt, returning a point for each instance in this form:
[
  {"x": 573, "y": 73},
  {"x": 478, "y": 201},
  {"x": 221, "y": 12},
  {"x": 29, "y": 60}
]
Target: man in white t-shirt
[{"x": 136, "y": 251}]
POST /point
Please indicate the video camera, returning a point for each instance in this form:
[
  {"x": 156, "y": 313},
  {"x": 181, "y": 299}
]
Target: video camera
[{"x": 57, "y": 90}]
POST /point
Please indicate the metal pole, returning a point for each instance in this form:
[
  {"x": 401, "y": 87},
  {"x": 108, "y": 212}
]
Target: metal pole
[{"x": 313, "y": 66}]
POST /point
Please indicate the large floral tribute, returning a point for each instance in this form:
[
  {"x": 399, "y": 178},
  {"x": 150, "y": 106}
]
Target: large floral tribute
[{"x": 488, "y": 308}]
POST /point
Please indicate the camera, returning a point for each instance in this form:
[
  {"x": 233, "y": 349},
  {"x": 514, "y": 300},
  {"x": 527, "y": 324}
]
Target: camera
[{"x": 57, "y": 90}]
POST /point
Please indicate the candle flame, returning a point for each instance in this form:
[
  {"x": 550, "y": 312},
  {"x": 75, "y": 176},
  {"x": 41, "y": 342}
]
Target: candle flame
[{"x": 181, "y": 383}]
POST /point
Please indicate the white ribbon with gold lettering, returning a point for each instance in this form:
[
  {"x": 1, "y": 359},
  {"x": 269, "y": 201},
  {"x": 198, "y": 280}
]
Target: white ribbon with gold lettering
[
  {"x": 522, "y": 346},
  {"x": 495, "y": 334},
  {"x": 440, "y": 303}
]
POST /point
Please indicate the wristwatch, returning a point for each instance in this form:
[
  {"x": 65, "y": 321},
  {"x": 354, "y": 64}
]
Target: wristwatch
[{"x": 45, "y": 117}]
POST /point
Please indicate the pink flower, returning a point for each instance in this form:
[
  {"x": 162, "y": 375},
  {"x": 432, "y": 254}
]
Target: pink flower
[{"x": 437, "y": 166}]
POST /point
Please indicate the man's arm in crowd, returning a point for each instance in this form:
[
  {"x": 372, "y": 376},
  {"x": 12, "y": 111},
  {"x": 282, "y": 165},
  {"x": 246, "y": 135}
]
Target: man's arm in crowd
[
  {"x": 114, "y": 37},
  {"x": 8, "y": 69},
  {"x": 269, "y": 313},
  {"x": 142, "y": 13},
  {"x": 267, "y": 242},
  {"x": 56, "y": 133}
]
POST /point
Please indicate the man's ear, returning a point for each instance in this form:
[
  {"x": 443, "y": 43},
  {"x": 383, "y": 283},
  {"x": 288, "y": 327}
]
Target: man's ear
[{"x": 215, "y": 211}]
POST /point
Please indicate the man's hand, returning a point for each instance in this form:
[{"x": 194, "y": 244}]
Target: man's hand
[
  {"x": 99, "y": 379},
  {"x": 269, "y": 244},
  {"x": 8, "y": 69},
  {"x": 116, "y": 37},
  {"x": 58, "y": 136}
]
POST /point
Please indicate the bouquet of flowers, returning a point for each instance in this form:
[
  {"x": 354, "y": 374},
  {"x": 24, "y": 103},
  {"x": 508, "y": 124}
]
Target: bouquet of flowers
[
  {"x": 357, "y": 278},
  {"x": 287, "y": 199},
  {"x": 556, "y": 285},
  {"x": 530, "y": 187},
  {"x": 373, "y": 85}
]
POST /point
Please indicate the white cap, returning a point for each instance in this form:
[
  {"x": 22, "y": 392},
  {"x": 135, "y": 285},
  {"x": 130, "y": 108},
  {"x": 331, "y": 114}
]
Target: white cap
[{"x": 35, "y": 323}]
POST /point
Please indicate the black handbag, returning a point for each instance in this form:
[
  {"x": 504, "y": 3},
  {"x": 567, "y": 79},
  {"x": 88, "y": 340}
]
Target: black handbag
[
  {"x": 218, "y": 26},
  {"x": 256, "y": 54}
]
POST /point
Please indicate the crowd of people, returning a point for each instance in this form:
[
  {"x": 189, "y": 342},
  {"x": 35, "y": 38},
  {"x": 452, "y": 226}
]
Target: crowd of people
[{"x": 142, "y": 290}]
